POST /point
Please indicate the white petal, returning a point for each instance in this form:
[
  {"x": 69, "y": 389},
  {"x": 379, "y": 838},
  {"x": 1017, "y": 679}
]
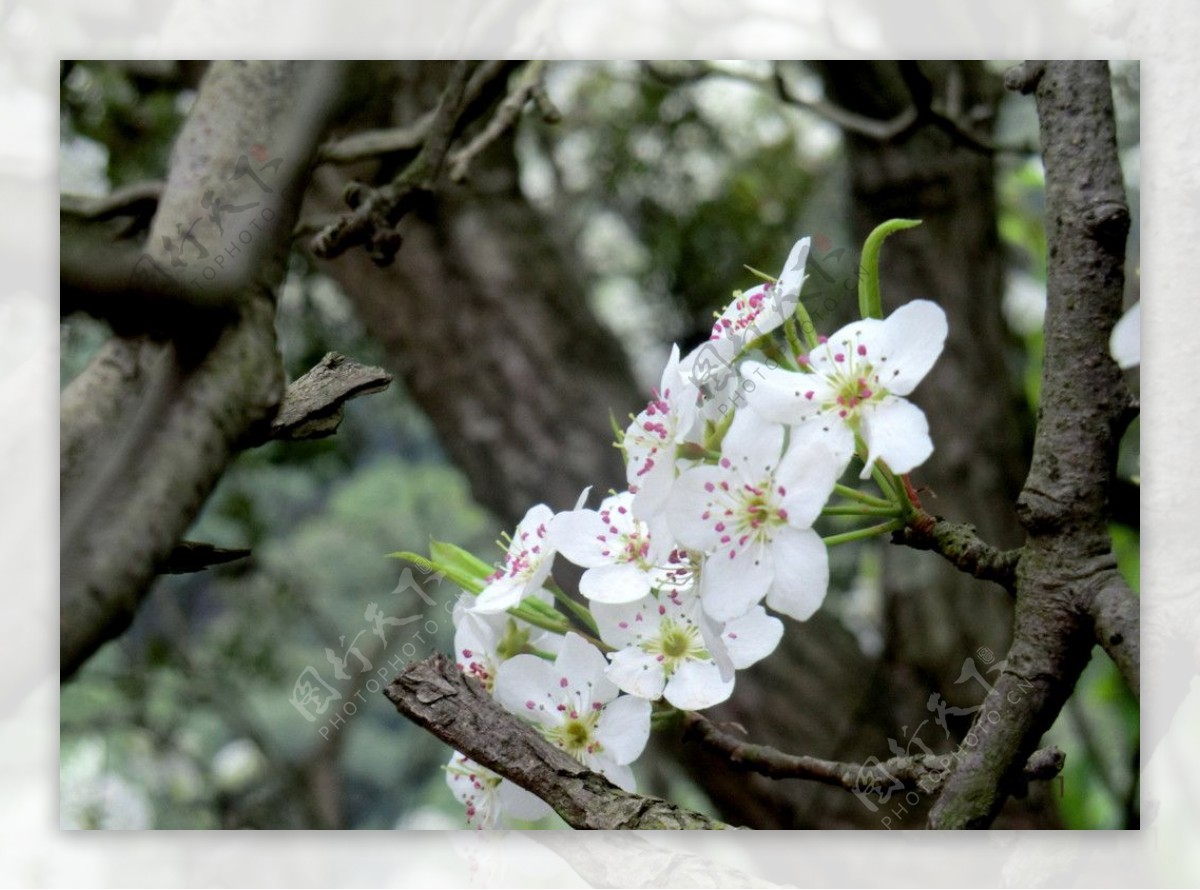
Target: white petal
[
  {"x": 500, "y": 595},
  {"x": 784, "y": 396},
  {"x": 847, "y": 345},
  {"x": 475, "y": 643},
  {"x": 752, "y": 637},
  {"x": 808, "y": 472},
  {"x": 652, "y": 485},
  {"x": 681, "y": 394},
  {"x": 896, "y": 431},
  {"x": 618, "y": 583},
  {"x": 710, "y": 632},
  {"x": 619, "y": 774},
  {"x": 753, "y": 446},
  {"x": 619, "y": 624},
  {"x": 535, "y": 516},
  {"x": 696, "y": 685},
  {"x": 731, "y": 585},
  {"x": 690, "y": 499},
  {"x": 791, "y": 279},
  {"x": 624, "y": 728},
  {"x": 912, "y": 340},
  {"x": 577, "y": 534},
  {"x": 638, "y": 673},
  {"x": 582, "y": 665},
  {"x": 1125, "y": 343},
  {"x": 525, "y": 685},
  {"x": 801, "y": 573},
  {"x": 517, "y": 803}
]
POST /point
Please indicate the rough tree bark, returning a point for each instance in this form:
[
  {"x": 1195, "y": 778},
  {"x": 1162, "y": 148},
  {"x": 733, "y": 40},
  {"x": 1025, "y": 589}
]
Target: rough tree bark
[
  {"x": 150, "y": 425},
  {"x": 1070, "y": 595}
]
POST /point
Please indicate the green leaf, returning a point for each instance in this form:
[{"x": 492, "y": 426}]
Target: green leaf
[
  {"x": 467, "y": 580},
  {"x": 454, "y": 556}
]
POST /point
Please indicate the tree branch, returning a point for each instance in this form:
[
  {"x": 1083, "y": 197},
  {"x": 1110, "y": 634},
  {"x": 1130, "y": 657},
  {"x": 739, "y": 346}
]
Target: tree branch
[
  {"x": 1116, "y": 616},
  {"x": 149, "y": 427},
  {"x": 435, "y": 695},
  {"x": 376, "y": 143},
  {"x": 1066, "y": 565},
  {"x": 193, "y": 556},
  {"x": 529, "y": 86},
  {"x": 959, "y": 544},
  {"x": 924, "y": 771},
  {"x": 312, "y": 406},
  {"x": 376, "y": 211}
]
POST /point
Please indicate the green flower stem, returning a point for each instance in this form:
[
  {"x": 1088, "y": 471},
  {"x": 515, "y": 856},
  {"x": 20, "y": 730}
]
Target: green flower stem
[
  {"x": 664, "y": 716},
  {"x": 855, "y": 495},
  {"x": 807, "y": 327},
  {"x": 579, "y": 610},
  {"x": 861, "y": 510},
  {"x": 863, "y": 533},
  {"x": 538, "y": 619},
  {"x": 885, "y": 482},
  {"x": 793, "y": 337},
  {"x": 772, "y": 350},
  {"x": 906, "y": 504},
  {"x": 713, "y": 437},
  {"x": 870, "y": 302}
]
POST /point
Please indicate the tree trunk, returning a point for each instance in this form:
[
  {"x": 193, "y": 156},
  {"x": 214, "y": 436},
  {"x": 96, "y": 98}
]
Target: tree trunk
[
  {"x": 150, "y": 425},
  {"x": 487, "y": 322}
]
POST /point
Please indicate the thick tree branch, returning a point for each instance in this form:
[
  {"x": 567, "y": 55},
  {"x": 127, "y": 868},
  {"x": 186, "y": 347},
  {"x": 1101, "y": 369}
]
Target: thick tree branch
[
  {"x": 149, "y": 427},
  {"x": 926, "y": 772},
  {"x": 435, "y": 695},
  {"x": 961, "y": 547},
  {"x": 1067, "y": 564}
]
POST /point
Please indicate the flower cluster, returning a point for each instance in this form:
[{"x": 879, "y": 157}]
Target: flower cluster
[{"x": 728, "y": 468}]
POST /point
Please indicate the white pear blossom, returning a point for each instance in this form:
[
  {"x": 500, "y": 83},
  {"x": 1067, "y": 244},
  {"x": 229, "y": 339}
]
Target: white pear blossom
[
  {"x": 577, "y": 708},
  {"x": 763, "y": 308},
  {"x": 482, "y": 641},
  {"x": 624, "y": 556},
  {"x": 667, "y": 648},
  {"x": 752, "y": 516},
  {"x": 489, "y": 798},
  {"x": 857, "y": 380},
  {"x": 752, "y": 314},
  {"x": 651, "y": 439},
  {"x": 527, "y": 563}
]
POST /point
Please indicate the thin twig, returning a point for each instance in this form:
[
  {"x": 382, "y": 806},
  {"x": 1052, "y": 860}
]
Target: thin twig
[
  {"x": 530, "y": 86},
  {"x": 924, "y": 771},
  {"x": 376, "y": 143},
  {"x": 961, "y": 547},
  {"x": 375, "y": 211}
]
